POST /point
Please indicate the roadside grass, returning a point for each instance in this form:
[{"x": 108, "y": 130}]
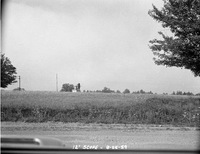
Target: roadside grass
[{"x": 29, "y": 106}]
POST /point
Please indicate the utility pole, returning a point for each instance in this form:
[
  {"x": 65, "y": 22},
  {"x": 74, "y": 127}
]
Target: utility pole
[
  {"x": 19, "y": 83},
  {"x": 57, "y": 82}
]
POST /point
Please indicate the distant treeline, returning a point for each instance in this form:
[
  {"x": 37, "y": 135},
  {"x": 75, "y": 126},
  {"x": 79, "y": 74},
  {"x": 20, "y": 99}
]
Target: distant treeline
[
  {"x": 185, "y": 93},
  {"x": 127, "y": 91},
  {"x": 71, "y": 88}
]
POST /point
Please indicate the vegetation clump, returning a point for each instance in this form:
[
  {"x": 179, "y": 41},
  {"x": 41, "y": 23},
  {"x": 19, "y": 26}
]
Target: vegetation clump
[{"x": 101, "y": 108}]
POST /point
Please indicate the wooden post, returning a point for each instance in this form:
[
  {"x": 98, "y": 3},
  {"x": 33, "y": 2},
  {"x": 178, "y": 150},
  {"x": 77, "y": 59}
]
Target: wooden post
[{"x": 19, "y": 83}]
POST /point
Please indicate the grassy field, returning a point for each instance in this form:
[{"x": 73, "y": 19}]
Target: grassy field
[{"x": 27, "y": 106}]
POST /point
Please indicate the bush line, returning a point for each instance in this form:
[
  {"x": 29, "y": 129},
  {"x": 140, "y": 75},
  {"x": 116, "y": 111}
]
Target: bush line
[{"x": 178, "y": 112}]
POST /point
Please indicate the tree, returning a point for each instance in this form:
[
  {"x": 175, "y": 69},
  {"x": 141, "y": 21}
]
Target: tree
[
  {"x": 8, "y": 72},
  {"x": 152, "y": 92},
  {"x": 67, "y": 87},
  {"x": 142, "y": 91},
  {"x": 179, "y": 93},
  {"x": 107, "y": 90},
  {"x": 126, "y": 91},
  {"x": 118, "y": 91},
  {"x": 182, "y": 49}
]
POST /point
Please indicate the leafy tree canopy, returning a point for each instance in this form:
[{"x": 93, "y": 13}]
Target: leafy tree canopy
[
  {"x": 182, "y": 49},
  {"x": 107, "y": 90},
  {"x": 118, "y": 91},
  {"x": 67, "y": 87},
  {"x": 126, "y": 91},
  {"x": 8, "y": 72}
]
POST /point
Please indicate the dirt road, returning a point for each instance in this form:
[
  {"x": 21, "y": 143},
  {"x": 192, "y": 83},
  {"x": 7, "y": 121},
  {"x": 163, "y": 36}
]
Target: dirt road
[{"x": 108, "y": 135}]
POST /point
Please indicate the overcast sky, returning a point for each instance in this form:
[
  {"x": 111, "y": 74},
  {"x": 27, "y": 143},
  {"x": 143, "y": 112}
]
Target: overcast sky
[{"x": 98, "y": 43}]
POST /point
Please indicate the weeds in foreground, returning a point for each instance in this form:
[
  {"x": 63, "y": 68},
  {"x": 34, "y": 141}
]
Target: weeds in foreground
[{"x": 113, "y": 109}]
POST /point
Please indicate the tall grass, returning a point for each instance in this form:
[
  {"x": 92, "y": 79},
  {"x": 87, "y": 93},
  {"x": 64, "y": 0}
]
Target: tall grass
[{"x": 100, "y": 108}]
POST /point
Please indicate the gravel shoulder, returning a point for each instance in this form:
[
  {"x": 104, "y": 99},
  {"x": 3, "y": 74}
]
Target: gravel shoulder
[{"x": 102, "y": 135}]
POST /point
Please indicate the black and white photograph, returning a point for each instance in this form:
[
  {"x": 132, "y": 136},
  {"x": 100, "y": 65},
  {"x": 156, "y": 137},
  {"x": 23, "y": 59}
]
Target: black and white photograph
[{"x": 100, "y": 76}]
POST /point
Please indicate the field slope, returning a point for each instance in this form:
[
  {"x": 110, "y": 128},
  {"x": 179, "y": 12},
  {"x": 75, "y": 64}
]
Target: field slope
[{"x": 29, "y": 106}]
